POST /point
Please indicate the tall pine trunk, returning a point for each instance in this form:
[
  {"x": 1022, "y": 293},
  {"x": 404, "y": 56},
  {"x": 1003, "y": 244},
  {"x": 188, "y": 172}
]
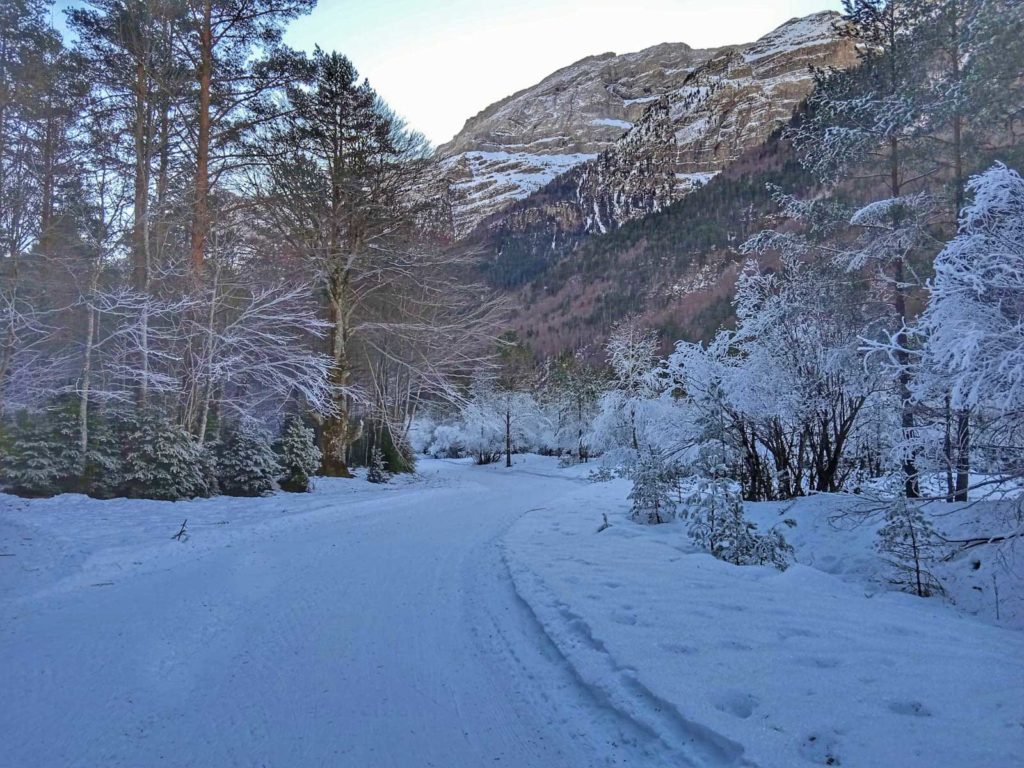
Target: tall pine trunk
[{"x": 201, "y": 204}]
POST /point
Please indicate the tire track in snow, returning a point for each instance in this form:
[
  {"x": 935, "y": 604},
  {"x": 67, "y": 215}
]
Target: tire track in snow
[{"x": 682, "y": 741}]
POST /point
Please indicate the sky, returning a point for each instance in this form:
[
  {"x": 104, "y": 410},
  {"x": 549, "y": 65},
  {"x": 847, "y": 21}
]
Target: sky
[{"x": 439, "y": 62}]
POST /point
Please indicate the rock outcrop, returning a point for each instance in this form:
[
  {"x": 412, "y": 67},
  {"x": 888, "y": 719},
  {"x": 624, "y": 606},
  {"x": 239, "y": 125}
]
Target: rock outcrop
[{"x": 631, "y": 134}]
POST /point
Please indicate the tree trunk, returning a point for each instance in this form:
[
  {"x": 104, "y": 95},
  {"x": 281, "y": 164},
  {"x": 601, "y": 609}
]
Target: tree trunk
[
  {"x": 85, "y": 388},
  {"x": 947, "y": 449},
  {"x": 337, "y": 433},
  {"x": 963, "y": 455},
  {"x": 508, "y": 437},
  {"x": 140, "y": 225},
  {"x": 210, "y": 352},
  {"x": 201, "y": 204},
  {"x": 963, "y": 421}
]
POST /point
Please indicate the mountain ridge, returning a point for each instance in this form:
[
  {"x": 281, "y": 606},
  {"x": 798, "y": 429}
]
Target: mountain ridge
[{"x": 639, "y": 130}]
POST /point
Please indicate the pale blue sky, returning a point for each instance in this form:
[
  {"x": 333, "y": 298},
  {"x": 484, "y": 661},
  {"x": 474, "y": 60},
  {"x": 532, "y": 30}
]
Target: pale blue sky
[{"x": 439, "y": 62}]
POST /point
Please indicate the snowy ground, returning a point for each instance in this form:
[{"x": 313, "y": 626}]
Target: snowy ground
[{"x": 468, "y": 617}]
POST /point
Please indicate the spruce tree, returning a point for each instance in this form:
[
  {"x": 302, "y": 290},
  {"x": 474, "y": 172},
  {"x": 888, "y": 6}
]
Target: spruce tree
[
  {"x": 246, "y": 462},
  {"x": 163, "y": 461},
  {"x": 298, "y": 456},
  {"x": 40, "y": 460},
  {"x": 376, "y": 472}
]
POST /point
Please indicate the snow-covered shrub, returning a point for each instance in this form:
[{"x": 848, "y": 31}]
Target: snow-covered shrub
[
  {"x": 713, "y": 509},
  {"x": 908, "y": 543},
  {"x": 445, "y": 442},
  {"x": 376, "y": 472},
  {"x": 298, "y": 456},
  {"x": 246, "y": 462},
  {"x": 482, "y": 429},
  {"x": 41, "y": 459},
  {"x": 421, "y": 433},
  {"x": 163, "y": 461},
  {"x": 655, "y": 493}
]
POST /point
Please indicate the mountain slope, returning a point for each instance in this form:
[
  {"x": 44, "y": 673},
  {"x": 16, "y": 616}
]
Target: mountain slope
[
  {"x": 517, "y": 145},
  {"x": 631, "y": 133},
  {"x": 675, "y": 268}
]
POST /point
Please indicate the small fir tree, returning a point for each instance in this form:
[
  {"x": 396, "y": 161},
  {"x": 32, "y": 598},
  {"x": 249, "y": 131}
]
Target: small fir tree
[
  {"x": 376, "y": 472},
  {"x": 655, "y": 489},
  {"x": 163, "y": 461},
  {"x": 246, "y": 462},
  {"x": 298, "y": 457},
  {"x": 714, "y": 509},
  {"x": 103, "y": 464},
  {"x": 908, "y": 543},
  {"x": 40, "y": 460}
]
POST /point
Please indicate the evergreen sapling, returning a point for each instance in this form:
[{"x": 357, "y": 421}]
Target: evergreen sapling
[
  {"x": 246, "y": 462},
  {"x": 298, "y": 457}
]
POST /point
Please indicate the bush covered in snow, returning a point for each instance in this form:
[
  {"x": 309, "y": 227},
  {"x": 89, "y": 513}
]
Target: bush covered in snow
[{"x": 713, "y": 509}]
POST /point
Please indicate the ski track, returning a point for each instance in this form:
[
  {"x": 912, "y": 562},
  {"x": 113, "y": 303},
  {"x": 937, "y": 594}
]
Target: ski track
[{"x": 379, "y": 631}]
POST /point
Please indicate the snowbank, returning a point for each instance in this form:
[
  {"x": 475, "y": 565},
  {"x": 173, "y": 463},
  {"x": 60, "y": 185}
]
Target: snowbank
[{"x": 749, "y": 666}]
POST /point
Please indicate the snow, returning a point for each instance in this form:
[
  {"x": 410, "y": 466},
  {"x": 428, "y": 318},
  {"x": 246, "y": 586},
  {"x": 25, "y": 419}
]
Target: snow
[
  {"x": 748, "y": 666},
  {"x": 693, "y": 131},
  {"x": 816, "y": 29},
  {"x": 495, "y": 178},
  {"x": 640, "y": 100},
  {"x": 471, "y": 616},
  {"x": 623, "y": 124},
  {"x": 693, "y": 180}
]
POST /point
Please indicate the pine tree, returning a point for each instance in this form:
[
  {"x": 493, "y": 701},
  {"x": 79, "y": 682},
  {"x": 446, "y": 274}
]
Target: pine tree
[
  {"x": 655, "y": 489},
  {"x": 298, "y": 456},
  {"x": 907, "y": 543},
  {"x": 163, "y": 461},
  {"x": 246, "y": 462},
  {"x": 376, "y": 472},
  {"x": 41, "y": 461}
]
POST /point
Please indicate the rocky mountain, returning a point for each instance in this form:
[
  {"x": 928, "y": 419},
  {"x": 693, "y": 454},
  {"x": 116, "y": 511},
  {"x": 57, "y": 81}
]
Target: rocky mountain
[
  {"x": 629, "y": 134},
  {"x": 626, "y": 184},
  {"x": 518, "y": 145}
]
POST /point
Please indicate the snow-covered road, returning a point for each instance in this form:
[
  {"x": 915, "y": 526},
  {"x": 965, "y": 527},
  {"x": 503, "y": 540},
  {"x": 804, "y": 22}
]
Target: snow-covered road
[
  {"x": 474, "y": 616},
  {"x": 373, "y": 630}
]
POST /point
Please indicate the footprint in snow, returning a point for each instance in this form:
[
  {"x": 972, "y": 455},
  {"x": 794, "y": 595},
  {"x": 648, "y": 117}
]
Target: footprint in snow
[
  {"x": 737, "y": 703},
  {"x": 820, "y": 749},
  {"x": 685, "y": 650},
  {"x": 737, "y": 646},
  {"x": 912, "y": 708},
  {"x": 821, "y": 662}
]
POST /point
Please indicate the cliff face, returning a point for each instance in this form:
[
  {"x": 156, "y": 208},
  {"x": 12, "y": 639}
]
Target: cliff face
[
  {"x": 516, "y": 146},
  {"x": 624, "y": 184},
  {"x": 729, "y": 105},
  {"x": 632, "y": 133}
]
